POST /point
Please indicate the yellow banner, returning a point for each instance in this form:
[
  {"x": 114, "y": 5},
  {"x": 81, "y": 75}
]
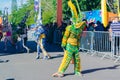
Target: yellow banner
[{"x": 104, "y": 13}]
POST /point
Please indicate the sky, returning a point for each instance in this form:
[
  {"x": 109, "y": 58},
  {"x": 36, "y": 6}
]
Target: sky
[{"x": 7, "y": 3}]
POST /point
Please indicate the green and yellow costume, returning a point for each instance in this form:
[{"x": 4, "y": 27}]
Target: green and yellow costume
[{"x": 71, "y": 43}]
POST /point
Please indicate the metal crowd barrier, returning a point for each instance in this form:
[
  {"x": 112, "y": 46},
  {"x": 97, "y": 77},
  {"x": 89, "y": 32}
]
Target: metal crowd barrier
[
  {"x": 116, "y": 45},
  {"x": 100, "y": 43}
]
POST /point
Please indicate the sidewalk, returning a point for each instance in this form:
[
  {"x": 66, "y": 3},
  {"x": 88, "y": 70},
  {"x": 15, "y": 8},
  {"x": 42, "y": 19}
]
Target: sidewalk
[{"x": 26, "y": 67}]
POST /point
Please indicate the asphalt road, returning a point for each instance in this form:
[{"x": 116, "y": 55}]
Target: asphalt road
[
  {"x": 18, "y": 65},
  {"x": 24, "y": 66}
]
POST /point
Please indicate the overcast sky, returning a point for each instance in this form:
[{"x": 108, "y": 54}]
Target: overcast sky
[{"x": 7, "y": 3}]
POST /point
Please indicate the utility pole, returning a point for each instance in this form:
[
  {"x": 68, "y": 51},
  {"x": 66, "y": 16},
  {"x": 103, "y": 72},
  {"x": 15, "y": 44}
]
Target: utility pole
[
  {"x": 37, "y": 9},
  {"x": 59, "y": 12},
  {"x": 39, "y": 14},
  {"x": 104, "y": 12}
]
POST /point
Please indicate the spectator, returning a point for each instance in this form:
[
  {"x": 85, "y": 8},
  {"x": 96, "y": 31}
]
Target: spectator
[
  {"x": 115, "y": 34},
  {"x": 7, "y": 30},
  {"x": 99, "y": 26},
  {"x": 90, "y": 34},
  {"x": 98, "y": 36},
  {"x": 22, "y": 32}
]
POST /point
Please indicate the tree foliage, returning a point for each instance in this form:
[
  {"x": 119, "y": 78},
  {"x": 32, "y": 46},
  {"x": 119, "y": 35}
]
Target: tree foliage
[
  {"x": 18, "y": 15},
  {"x": 113, "y": 5},
  {"x": 0, "y": 12},
  {"x": 49, "y": 9},
  {"x": 48, "y": 12},
  {"x": 85, "y": 5}
]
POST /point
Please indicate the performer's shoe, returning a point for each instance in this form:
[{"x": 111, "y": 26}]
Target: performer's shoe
[
  {"x": 78, "y": 74},
  {"x": 38, "y": 57},
  {"x": 49, "y": 57},
  {"x": 46, "y": 57},
  {"x": 58, "y": 75}
]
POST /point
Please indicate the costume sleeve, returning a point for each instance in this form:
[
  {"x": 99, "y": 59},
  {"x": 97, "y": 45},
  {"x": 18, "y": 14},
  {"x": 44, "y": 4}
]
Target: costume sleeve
[{"x": 65, "y": 37}]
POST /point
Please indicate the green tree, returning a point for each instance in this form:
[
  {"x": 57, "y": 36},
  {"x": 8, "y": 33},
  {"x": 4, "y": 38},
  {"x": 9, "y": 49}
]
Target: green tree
[
  {"x": 0, "y": 12},
  {"x": 48, "y": 11},
  {"x": 49, "y": 8},
  {"x": 113, "y": 5},
  {"x": 88, "y": 5},
  {"x": 85, "y": 5},
  {"x": 20, "y": 13}
]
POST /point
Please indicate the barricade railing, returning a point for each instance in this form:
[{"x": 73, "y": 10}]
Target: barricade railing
[
  {"x": 116, "y": 45},
  {"x": 101, "y": 43},
  {"x": 97, "y": 42}
]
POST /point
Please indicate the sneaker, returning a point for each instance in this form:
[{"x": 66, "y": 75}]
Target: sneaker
[
  {"x": 46, "y": 57},
  {"x": 38, "y": 57},
  {"x": 58, "y": 75},
  {"x": 49, "y": 57},
  {"x": 78, "y": 74}
]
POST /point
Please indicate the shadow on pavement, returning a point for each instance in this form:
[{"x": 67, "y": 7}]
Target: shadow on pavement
[
  {"x": 57, "y": 56},
  {"x": 68, "y": 74},
  {"x": 10, "y": 79},
  {"x": 97, "y": 69}
]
